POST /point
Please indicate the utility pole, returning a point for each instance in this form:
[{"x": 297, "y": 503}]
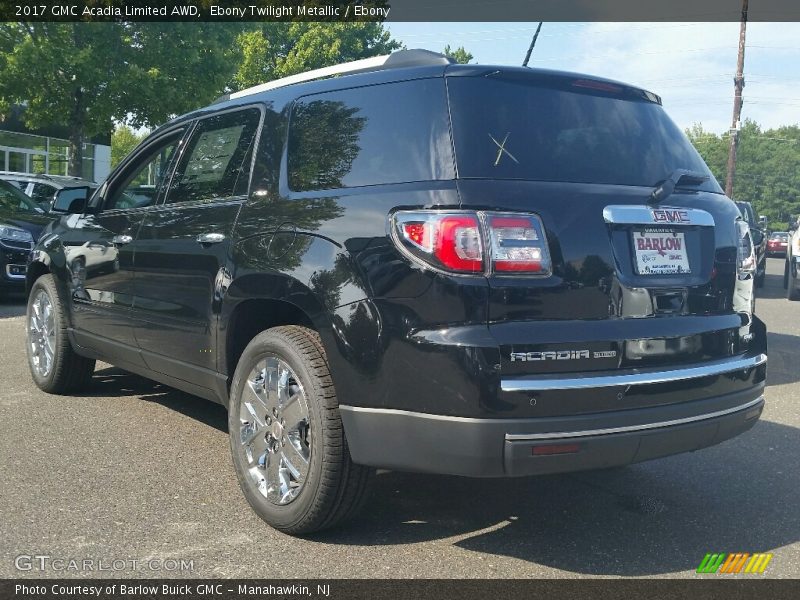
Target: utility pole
[{"x": 738, "y": 86}]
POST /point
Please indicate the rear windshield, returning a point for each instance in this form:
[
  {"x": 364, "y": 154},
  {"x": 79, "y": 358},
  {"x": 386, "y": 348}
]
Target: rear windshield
[{"x": 566, "y": 131}]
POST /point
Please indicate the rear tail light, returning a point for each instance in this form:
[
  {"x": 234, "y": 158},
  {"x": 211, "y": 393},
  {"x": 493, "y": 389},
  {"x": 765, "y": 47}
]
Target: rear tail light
[
  {"x": 746, "y": 255},
  {"x": 517, "y": 244},
  {"x": 474, "y": 242}
]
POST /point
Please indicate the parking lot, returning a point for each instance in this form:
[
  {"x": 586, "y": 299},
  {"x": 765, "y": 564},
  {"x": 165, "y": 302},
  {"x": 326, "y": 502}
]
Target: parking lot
[{"x": 137, "y": 471}]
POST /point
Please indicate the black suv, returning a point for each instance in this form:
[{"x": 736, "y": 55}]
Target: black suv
[
  {"x": 457, "y": 269},
  {"x": 759, "y": 236}
]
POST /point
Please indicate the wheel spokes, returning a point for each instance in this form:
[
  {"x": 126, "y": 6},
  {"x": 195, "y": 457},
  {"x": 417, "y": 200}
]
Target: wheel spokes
[
  {"x": 294, "y": 413},
  {"x": 295, "y": 456},
  {"x": 41, "y": 334},
  {"x": 275, "y": 430}
]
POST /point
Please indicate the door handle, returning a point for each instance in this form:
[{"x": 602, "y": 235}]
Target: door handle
[
  {"x": 210, "y": 238},
  {"x": 119, "y": 240}
]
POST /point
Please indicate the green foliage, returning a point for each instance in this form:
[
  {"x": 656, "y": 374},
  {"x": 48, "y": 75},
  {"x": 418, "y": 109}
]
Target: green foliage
[
  {"x": 84, "y": 75},
  {"x": 275, "y": 50},
  {"x": 767, "y": 167},
  {"x": 460, "y": 55},
  {"x": 123, "y": 141}
]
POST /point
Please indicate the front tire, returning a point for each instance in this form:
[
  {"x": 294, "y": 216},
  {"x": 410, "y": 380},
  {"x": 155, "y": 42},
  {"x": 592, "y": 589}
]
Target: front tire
[
  {"x": 54, "y": 365},
  {"x": 287, "y": 441}
]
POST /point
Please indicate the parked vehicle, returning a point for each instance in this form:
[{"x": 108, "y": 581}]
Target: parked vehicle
[
  {"x": 759, "y": 235},
  {"x": 791, "y": 280},
  {"x": 21, "y": 222},
  {"x": 473, "y": 270},
  {"x": 42, "y": 188},
  {"x": 777, "y": 243}
]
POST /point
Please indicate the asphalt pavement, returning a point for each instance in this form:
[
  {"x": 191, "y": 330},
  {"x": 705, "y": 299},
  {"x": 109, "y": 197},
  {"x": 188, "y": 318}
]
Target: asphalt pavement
[{"x": 137, "y": 478}]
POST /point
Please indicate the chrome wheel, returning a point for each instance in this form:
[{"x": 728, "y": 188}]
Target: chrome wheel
[
  {"x": 275, "y": 431},
  {"x": 42, "y": 333}
]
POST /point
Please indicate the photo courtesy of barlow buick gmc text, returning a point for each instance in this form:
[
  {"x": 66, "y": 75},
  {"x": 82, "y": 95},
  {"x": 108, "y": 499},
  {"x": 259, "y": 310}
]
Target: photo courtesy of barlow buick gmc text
[{"x": 363, "y": 298}]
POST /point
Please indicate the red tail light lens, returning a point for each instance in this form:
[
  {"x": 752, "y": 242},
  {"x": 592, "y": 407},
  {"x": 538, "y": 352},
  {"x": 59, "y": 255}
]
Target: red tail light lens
[
  {"x": 454, "y": 241},
  {"x": 445, "y": 240}
]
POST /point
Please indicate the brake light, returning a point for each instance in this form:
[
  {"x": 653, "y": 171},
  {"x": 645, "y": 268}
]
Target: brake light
[
  {"x": 454, "y": 241},
  {"x": 593, "y": 84},
  {"x": 448, "y": 241}
]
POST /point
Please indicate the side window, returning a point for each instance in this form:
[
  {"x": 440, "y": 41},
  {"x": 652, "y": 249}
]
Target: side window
[
  {"x": 139, "y": 185},
  {"x": 216, "y": 162},
  {"x": 390, "y": 133},
  {"x": 42, "y": 193}
]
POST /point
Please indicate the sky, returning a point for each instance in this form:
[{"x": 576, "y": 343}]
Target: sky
[{"x": 690, "y": 65}]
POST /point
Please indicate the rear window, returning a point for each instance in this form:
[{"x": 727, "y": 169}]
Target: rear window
[
  {"x": 511, "y": 129},
  {"x": 390, "y": 133}
]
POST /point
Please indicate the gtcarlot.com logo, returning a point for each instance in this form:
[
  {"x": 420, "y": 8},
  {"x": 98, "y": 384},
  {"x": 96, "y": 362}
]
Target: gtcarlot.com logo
[
  {"x": 736, "y": 562},
  {"x": 45, "y": 562}
]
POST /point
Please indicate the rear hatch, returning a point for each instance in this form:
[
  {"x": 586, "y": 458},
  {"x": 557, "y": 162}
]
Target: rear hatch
[{"x": 632, "y": 285}]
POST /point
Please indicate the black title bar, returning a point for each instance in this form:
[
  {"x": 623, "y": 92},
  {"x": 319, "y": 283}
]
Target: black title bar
[
  {"x": 397, "y": 10},
  {"x": 708, "y": 587}
]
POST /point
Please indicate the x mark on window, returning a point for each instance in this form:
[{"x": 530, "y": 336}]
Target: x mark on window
[{"x": 502, "y": 149}]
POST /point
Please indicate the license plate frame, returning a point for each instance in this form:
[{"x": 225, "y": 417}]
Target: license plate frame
[{"x": 660, "y": 251}]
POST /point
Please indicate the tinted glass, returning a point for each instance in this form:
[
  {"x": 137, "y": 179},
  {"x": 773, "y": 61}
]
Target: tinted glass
[
  {"x": 12, "y": 199},
  {"x": 389, "y": 133},
  {"x": 216, "y": 162},
  {"x": 138, "y": 186},
  {"x": 565, "y": 131},
  {"x": 747, "y": 212},
  {"x": 43, "y": 193}
]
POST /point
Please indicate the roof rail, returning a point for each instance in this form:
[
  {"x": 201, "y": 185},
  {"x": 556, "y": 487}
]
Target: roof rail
[{"x": 396, "y": 60}]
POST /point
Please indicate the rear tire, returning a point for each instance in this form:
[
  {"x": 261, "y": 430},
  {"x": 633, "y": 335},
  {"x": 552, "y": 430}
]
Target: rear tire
[
  {"x": 287, "y": 441},
  {"x": 760, "y": 278},
  {"x": 790, "y": 283},
  {"x": 54, "y": 365}
]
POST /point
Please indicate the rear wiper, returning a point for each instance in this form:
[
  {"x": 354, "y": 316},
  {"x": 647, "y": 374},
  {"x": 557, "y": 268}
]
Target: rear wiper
[{"x": 677, "y": 178}]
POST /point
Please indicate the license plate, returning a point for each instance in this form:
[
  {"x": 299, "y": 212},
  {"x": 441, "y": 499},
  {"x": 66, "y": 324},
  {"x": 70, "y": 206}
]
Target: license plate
[{"x": 660, "y": 252}]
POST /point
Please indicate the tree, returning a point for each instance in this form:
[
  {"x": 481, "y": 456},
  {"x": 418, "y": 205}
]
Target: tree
[
  {"x": 275, "y": 50},
  {"x": 767, "y": 170},
  {"x": 123, "y": 141},
  {"x": 84, "y": 75},
  {"x": 460, "y": 55}
]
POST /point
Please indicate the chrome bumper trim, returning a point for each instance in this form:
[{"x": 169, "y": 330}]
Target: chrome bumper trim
[
  {"x": 521, "y": 437},
  {"x": 543, "y": 383}
]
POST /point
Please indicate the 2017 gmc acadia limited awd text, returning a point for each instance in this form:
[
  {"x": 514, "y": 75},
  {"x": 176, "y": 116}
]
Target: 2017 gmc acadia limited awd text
[{"x": 475, "y": 270}]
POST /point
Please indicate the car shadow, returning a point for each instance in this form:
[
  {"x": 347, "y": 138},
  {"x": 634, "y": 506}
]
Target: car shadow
[
  {"x": 773, "y": 286},
  {"x": 112, "y": 382},
  {"x": 652, "y": 518},
  {"x": 12, "y": 306},
  {"x": 782, "y": 367}
]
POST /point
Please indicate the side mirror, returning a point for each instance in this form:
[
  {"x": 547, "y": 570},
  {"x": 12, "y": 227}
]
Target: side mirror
[
  {"x": 71, "y": 201},
  {"x": 757, "y": 235}
]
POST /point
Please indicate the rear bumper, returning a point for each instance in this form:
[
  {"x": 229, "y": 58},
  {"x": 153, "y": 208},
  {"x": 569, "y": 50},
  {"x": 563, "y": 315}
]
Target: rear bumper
[{"x": 412, "y": 441}]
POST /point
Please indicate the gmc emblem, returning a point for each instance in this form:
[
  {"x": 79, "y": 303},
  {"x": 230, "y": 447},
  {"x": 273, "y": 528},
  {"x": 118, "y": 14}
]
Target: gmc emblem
[{"x": 670, "y": 216}]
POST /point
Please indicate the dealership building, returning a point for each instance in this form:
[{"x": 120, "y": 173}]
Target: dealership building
[{"x": 47, "y": 150}]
